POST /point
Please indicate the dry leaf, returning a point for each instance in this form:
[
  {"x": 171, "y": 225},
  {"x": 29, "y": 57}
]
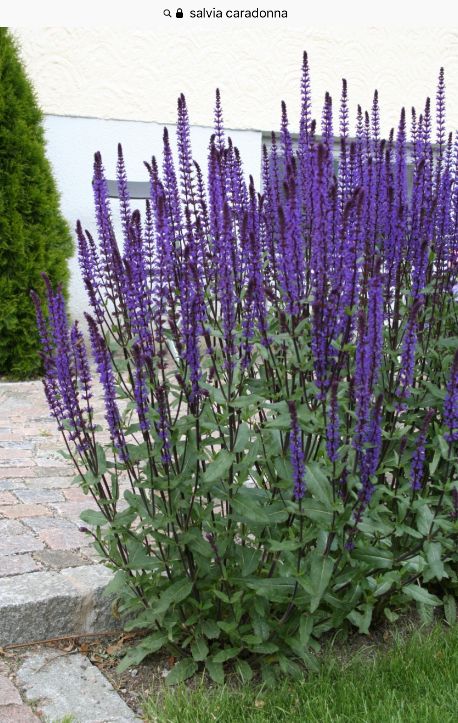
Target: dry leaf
[
  {"x": 84, "y": 647},
  {"x": 114, "y": 648}
]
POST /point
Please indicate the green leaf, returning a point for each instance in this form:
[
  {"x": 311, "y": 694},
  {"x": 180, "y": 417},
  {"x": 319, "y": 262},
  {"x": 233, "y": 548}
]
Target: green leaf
[
  {"x": 304, "y": 654},
  {"x": 210, "y": 629},
  {"x": 244, "y": 670},
  {"x": 424, "y": 519},
  {"x": 219, "y": 466},
  {"x": 415, "y": 592},
  {"x": 261, "y": 628},
  {"x": 245, "y": 401},
  {"x": 390, "y": 615},
  {"x": 215, "y": 671},
  {"x": 175, "y": 593},
  {"x": 320, "y": 575},
  {"x": 243, "y": 436},
  {"x": 199, "y": 649},
  {"x": 93, "y": 518},
  {"x": 276, "y": 589},
  {"x": 362, "y": 620},
  {"x": 434, "y": 557},
  {"x": 101, "y": 459},
  {"x": 375, "y": 557},
  {"x": 282, "y": 545},
  {"x": 318, "y": 484},
  {"x": 450, "y": 609},
  {"x": 151, "y": 644},
  {"x": 317, "y": 512},
  {"x": 266, "y": 648},
  {"x": 249, "y": 506},
  {"x": 226, "y": 654},
  {"x": 250, "y": 559},
  {"x": 305, "y": 629},
  {"x": 181, "y": 671}
]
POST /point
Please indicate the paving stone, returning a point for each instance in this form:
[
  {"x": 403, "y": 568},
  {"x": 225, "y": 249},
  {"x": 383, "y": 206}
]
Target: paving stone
[
  {"x": 8, "y": 693},
  {"x": 6, "y": 498},
  {"x": 59, "y": 539},
  {"x": 47, "y": 482},
  {"x": 19, "y": 510},
  {"x": 19, "y": 543},
  {"x": 67, "y": 471},
  {"x": 50, "y": 460},
  {"x": 15, "y": 461},
  {"x": 11, "y": 484},
  {"x": 39, "y": 496},
  {"x": 18, "y": 565},
  {"x": 73, "y": 510},
  {"x": 76, "y": 494},
  {"x": 12, "y": 527},
  {"x": 36, "y": 472},
  {"x": 58, "y": 559},
  {"x": 48, "y": 604},
  {"x": 91, "y": 553},
  {"x": 16, "y": 443},
  {"x": 37, "y": 524},
  {"x": 64, "y": 685},
  {"x": 17, "y": 714},
  {"x": 11, "y": 472},
  {"x": 15, "y": 453}
]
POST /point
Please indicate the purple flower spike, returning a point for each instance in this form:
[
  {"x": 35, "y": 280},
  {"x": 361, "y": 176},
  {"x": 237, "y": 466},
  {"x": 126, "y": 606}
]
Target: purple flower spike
[
  {"x": 332, "y": 431},
  {"x": 296, "y": 454},
  {"x": 418, "y": 458},
  {"x": 451, "y": 403},
  {"x": 103, "y": 361}
]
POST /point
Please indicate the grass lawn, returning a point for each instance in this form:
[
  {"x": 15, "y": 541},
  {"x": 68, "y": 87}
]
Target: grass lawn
[{"x": 414, "y": 681}]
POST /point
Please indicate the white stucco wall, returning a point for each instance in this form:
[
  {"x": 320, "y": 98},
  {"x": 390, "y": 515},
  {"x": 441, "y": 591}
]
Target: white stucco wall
[{"x": 137, "y": 74}]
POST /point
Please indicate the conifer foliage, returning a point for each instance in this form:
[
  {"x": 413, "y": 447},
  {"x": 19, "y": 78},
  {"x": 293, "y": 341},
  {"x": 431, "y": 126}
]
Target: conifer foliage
[{"x": 33, "y": 234}]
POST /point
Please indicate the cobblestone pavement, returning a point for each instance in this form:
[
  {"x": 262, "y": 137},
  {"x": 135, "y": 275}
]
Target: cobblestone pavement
[
  {"x": 47, "y": 566},
  {"x": 39, "y": 504}
]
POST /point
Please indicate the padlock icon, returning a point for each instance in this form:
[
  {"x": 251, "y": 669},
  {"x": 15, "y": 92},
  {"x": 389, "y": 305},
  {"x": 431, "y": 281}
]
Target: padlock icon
[{"x": 179, "y": 13}]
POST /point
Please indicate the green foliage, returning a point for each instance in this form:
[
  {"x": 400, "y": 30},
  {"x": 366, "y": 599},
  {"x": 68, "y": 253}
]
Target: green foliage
[
  {"x": 412, "y": 680},
  {"x": 34, "y": 237},
  {"x": 226, "y": 571}
]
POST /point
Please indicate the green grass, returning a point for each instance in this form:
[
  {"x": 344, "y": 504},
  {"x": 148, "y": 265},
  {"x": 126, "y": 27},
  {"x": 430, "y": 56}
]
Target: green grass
[{"x": 414, "y": 681}]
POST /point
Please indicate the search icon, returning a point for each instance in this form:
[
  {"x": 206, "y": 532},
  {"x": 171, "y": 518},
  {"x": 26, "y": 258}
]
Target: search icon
[{"x": 167, "y": 13}]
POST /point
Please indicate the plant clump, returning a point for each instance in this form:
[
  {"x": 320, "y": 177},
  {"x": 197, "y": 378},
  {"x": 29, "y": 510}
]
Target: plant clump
[{"x": 280, "y": 380}]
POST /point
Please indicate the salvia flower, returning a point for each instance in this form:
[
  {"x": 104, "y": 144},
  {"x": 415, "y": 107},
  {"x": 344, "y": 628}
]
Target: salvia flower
[
  {"x": 418, "y": 458},
  {"x": 451, "y": 403},
  {"x": 296, "y": 453}
]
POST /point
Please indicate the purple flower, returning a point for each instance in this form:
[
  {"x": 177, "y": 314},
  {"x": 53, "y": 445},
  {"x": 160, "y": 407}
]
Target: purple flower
[
  {"x": 104, "y": 367},
  {"x": 163, "y": 428},
  {"x": 418, "y": 458},
  {"x": 332, "y": 430},
  {"x": 407, "y": 367},
  {"x": 451, "y": 403},
  {"x": 296, "y": 454}
]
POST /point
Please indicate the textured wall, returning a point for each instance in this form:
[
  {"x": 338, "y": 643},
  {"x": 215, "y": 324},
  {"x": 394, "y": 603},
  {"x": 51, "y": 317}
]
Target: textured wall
[{"x": 138, "y": 74}]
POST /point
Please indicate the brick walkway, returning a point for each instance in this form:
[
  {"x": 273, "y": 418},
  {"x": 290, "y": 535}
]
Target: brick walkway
[{"x": 39, "y": 504}]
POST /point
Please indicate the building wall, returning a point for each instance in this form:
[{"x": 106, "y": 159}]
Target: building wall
[{"x": 137, "y": 74}]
